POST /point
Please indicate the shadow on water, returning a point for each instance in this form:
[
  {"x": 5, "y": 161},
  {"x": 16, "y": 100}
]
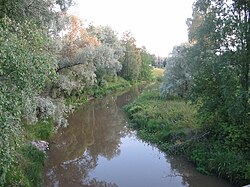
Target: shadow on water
[{"x": 98, "y": 150}]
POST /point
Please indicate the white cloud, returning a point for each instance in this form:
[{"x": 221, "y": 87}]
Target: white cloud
[{"x": 157, "y": 24}]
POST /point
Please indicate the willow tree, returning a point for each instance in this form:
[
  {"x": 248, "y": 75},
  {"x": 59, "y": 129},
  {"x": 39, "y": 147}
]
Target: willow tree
[
  {"x": 177, "y": 75},
  {"x": 107, "y": 55},
  {"x": 27, "y": 64},
  {"x": 49, "y": 13}
]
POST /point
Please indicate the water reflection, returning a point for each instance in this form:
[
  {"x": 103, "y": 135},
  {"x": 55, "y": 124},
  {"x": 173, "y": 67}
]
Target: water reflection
[
  {"x": 190, "y": 176},
  {"x": 95, "y": 130},
  {"x": 97, "y": 150}
]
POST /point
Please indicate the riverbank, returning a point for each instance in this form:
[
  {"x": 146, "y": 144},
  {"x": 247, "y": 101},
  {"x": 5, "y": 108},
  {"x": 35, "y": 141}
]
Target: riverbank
[
  {"x": 171, "y": 125},
  {"x": 28, "y": 170},
  {"x": 95, "y": 91},
  {"x": 98, "y": 149}
]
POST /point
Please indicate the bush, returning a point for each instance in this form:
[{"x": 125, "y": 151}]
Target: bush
[
  {"x": 24, "y": 48},
  {"x": 42, "y": 130},
  {"x": 28, "y": 171},
  {"x": 225, "y": 162}
]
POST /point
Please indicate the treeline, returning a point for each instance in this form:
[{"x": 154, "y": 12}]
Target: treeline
[
  {"x": 212, "y": 71},
  {"x": 46, "y": 56}
]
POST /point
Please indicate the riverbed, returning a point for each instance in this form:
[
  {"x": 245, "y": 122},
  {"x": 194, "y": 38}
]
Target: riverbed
[{"x": 98, "y": 149}]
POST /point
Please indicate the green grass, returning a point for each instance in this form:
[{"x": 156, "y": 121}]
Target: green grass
[
  {"x": 167, "y": 123},
  {"x": 212, "y": 157},
  {"x": 170, "y": 124},
  {"x": 42, "y": 130},
  {"x": 117, "y": 84},
  {"x": 157, "y": 72},
  {"x": 28, "y": 168},
  {"x": 113, "y": 84}
]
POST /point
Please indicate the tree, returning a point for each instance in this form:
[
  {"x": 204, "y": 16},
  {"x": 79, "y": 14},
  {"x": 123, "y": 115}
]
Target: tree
[
  {"x": 219, "y": 30},
  {"x": 107, "y": 55},
  {"x": 23, "y": 51},
  {"x": 146, "y": 64},
  {"x": 49, "y": 13},
  {"x": 241, "y": 10},
  {"x": 76, "y": 69},
  {"x": 77, "y": 45},
  {"x": 131, "y": 60},
  {"x": 177, "y": 75}
]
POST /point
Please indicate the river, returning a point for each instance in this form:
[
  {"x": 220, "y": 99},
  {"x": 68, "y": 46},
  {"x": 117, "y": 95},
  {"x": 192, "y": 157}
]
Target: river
[{"x": 99, "y": 150}]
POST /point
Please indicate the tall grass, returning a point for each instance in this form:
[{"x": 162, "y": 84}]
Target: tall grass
[{"x": 166, "y": 123}]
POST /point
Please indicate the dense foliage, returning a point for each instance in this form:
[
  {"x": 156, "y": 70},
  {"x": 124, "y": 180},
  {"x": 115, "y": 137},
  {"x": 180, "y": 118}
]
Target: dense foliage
[
  {"x": 177, "y": 78},
  {"x": 23, "y": 49},
  {"x": 215, "y": 64},
  {"x": 135, "y": 62},
  {"x": 46, "y": 57}
]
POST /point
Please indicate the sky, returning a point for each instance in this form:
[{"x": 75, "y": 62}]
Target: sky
[{"x": 157, "y": 24}]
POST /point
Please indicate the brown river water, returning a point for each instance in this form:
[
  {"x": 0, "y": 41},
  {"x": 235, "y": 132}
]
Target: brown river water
[{"x": 99, "y": 150}]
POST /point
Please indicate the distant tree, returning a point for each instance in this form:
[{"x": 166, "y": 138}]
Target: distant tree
[
  {"x": 130, "y": 61},
  {"x": 177, "y": 77},
  {"x": 107, "y": 55},
  {"x": 146, "y": 64},
  {"x": 77, "y": 45}
]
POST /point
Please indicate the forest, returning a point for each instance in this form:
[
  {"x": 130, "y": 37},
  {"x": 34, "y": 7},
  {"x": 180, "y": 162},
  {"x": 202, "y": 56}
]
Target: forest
[{"x": 51, "y": 61}]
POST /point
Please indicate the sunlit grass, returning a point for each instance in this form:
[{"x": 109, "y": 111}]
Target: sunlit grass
[
  {"x": 166, "y": 123},
  {"x": 158, "y": 72}
]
